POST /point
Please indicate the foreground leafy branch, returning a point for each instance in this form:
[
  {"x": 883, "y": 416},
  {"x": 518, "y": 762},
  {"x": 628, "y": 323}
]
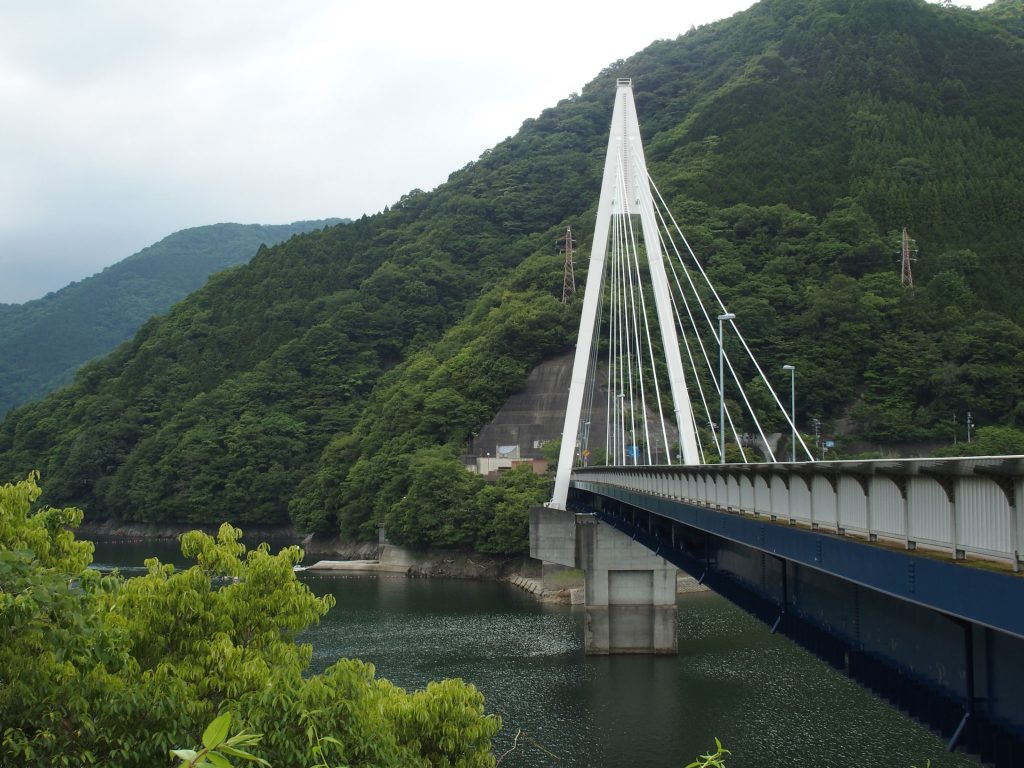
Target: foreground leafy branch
[
  {"x": 218, "y": 747},
  {"x": 714, "y": 759},
  {"x": 100, "y": 670}
]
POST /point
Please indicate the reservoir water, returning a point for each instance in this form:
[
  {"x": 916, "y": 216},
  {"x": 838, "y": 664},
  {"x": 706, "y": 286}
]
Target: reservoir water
[{"x": 769, "y": 702}]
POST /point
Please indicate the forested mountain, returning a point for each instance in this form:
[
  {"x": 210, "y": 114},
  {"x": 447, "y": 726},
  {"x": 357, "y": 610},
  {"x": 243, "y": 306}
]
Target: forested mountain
[
  {"x": 335, "y": 378},
  {"x": 43, "y": 342}
]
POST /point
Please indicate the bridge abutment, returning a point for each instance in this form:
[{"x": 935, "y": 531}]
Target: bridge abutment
[{"x": 630, "y": 593}]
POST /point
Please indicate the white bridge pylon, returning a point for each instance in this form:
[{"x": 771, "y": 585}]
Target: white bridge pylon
[{"x": 625, "y": 193}]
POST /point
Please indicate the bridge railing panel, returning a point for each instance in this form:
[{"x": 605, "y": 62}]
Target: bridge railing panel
[
  {"x": 762, "y": 496},
  {"x": 701, "y": 490},
  {"x": 823, "y": 500},
  {"x": 780, "y": 498},
  {"x": 887, "y": 509},
  {"x": 983, "y": 522},
  {"x": 733, "y": 498},
  {"x": 747, "y": 500},
  {"x": 800, "y": 501},
  {"x": 852, "y": 505},
  {"x": 687, "y": 486},
  {"x": 1018, "y": 521},
  {"x": 675, "y": 486},
  {"x": 721, "y": 490},
  {"x": 929, "y": 512}
]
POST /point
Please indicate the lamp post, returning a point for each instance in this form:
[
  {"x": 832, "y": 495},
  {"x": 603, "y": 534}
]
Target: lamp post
[
  {"x": 721, "y": 387},
  {"x": 792, "y": 408},
  {"x": 620, "y": 426}
]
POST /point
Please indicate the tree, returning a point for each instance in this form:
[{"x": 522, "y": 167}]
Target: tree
[
  {"x": 438, "y": 509},
  {"x": 505, "y": 510},
  {"x": 99, "y": 670},
  {"x": 988, "y": 441}
]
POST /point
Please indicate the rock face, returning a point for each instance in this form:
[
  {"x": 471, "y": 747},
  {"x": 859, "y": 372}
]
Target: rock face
[
  {"x": 532, "y": 417},
  {"x": 536, "y": 415}
]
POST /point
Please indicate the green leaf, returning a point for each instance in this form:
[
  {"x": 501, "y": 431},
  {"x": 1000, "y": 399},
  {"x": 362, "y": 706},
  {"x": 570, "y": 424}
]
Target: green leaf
[
  {"x": 218, "y": 760},
  {"x": 217, "y": 731},
  {"x": 184, "y": 754},
  {"x": 243, "y": 755}
]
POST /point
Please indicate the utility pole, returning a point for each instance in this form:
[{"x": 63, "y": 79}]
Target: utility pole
[
  {"x": 970, "y": 423},
  {"x": 907, "y": 278},
  {"x": 721, "y": 385},
  {"x": 792, "y": 409},
  {"x": 569, "y": 280}
]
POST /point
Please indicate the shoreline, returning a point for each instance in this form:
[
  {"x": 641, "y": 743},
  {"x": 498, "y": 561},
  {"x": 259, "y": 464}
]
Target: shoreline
[
  {"x": 364, "y": 566},
  {"x": 333, "y": 555},
  {"x": 329, "y": 553},
  {"x": 312, "y": 544}
]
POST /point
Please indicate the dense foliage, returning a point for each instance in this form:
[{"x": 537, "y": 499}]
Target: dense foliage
[
  {"x": 99, "y": 670},
  {"x": 336, "y": 377},
  {"x": 43, "y": 341}
]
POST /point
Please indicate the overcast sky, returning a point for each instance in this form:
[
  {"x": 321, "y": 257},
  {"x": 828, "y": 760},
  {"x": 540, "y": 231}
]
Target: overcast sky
[{"x": 124, "y": 121}]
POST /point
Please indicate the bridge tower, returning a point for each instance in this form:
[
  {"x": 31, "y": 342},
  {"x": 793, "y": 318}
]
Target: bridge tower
[
  {"x": 625, "y": 193},
  {"x": 630, "y": 593}
]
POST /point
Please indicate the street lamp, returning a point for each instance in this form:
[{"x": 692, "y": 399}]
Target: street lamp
[
  {"x": 620, "y": 426},
  {"x": 792, "y": 407},
  {"x": 721, "y": 387}
]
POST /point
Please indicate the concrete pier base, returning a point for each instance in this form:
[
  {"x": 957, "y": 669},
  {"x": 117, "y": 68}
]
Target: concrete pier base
[{"x": 630, "y": 593}]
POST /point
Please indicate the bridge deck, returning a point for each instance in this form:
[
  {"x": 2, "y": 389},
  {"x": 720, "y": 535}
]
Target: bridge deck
[
  {"x": 963, "y": 506},
  {"x": 981, "y": 595}
]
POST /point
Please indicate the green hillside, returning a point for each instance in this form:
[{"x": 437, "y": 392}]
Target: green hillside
[
  {"x": 335, "y": 378},
  {"x": 43, "y": 342}
]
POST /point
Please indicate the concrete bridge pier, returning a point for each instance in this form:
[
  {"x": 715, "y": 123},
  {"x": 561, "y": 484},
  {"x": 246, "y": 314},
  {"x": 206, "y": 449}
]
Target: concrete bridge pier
[{"x": 630, "y": 593}]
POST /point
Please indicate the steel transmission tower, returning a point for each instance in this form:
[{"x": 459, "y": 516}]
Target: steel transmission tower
[
  {"x": 569, "y": 281},
  {"x": 907, "y": 276},
  {"x": 625, "y": 192}
]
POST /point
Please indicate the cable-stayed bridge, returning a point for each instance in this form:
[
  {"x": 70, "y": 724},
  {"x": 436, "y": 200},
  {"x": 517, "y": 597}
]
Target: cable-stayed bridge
[{"x": 903, "y": 573}]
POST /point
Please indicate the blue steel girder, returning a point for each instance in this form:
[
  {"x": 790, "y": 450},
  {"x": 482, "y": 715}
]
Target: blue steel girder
[{"x": 964, "y": 591}]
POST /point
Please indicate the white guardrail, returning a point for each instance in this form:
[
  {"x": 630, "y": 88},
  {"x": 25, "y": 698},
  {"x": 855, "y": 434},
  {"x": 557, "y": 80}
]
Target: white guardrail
[{"x": 963, "y": 506}]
